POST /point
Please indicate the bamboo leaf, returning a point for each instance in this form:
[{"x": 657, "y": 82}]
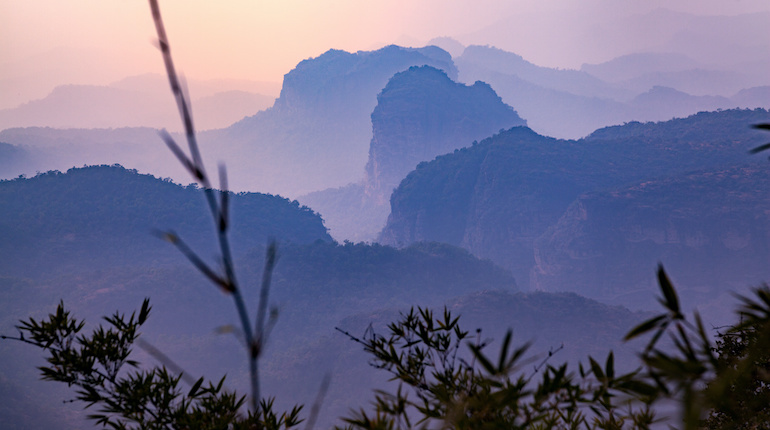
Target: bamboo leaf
[
  {"x": 670, "y": 299},
  {"x": 644, "y": 327}
]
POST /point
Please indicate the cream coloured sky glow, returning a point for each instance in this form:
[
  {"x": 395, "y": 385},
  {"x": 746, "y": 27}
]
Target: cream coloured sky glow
[{"x": 49, "y": 42}]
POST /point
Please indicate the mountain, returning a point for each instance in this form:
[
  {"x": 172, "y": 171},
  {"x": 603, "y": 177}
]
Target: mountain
[
  {"x": 710, "y": 229},
  {"x": 13, "y": 159},
  {"x": 106, "y": 214},
  {"x": 699, "y": 82},
  {"x": 448, "y": 44},
  {"x": 477, "y": 59},
  {"x": 639, "y": 72},
  {"x": 643, "y": 87},
  {"x": 755, "y": 97},
  {"x": 60, "y": 149},
  {"x": 661, "y": 103},
  {"x": 498, "y": 197},
  {"x": 627, "y": 67},
  {"x": 316, "y": 134},
  {"x": 604, "y": 30},
  {"x": 83, "y": 237},
  {"x": 140, "y": 101},
  {"x": 421, "y": 113}
]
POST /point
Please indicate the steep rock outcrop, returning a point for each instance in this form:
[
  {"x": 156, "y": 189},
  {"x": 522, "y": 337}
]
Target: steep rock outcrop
[{"x": 421, "y": 114}]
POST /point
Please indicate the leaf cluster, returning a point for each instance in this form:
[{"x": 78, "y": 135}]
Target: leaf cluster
[
  {"x": 442, "y": 385},
  {"x": 722, "y": 385},
  {"x": 126, "y": 396}
]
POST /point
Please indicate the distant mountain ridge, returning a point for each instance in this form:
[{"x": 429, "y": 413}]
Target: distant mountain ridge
[
  {"x": 317, "y": 134},
  {"x": 572, "y": 103},
  {"x": 138, "y": 101},
  {"x": 576, "y": 82}
]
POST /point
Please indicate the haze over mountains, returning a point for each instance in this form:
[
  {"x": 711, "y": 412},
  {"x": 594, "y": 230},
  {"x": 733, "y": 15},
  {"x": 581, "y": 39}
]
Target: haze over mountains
[
  {"x": 571, "y": 104},
  {"x": 420, "y": 114},
  {"x": 318, "y": 133},
  {"x": 84, "y": 237},
  {"x": 515, "y": 194},
  {"x": 140, "y": 101}
]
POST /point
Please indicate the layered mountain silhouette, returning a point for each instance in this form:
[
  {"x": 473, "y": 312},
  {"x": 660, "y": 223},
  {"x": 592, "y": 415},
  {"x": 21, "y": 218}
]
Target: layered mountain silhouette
[
  {"x": 421, "y": 113},
  {"x": 572, "y": 104},
  {"x": 588, "y": 34},
  {"x": 139, "y": 101},
  {"x": 85, "y": 237},
  {"x": 316, "y": 135}
]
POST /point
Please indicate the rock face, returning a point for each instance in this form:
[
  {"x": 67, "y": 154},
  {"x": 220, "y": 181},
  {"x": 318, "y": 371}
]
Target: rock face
[
  {"x": 498, "y": 197},
  {"x": 421, "y": 114},
  {"x": 710, "y": 229}
]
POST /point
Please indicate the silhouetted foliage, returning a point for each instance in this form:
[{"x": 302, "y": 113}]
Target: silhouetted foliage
[
  {"x": 99, "y": 368},
  {"x": 439, "y": 385}
]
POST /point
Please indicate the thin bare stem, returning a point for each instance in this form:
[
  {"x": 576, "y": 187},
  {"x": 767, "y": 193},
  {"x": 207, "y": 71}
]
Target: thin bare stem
[
  {"x": 318, "y": 402},
  {"x": 219, "y": 212},
  {"x": 166, "y": 360}
]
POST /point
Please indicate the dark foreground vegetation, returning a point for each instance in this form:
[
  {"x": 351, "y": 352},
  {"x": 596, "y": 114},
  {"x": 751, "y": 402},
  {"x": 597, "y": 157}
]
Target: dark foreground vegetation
[{"x": 446, "y": 377}]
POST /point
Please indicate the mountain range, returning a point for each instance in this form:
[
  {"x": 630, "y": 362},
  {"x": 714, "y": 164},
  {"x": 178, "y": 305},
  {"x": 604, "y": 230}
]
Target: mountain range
[
  {"x": 491, "y": 205},
  {"x": 140, "y": 101},
  {"x": 500, "y": 197},
  {"x": 84, "y": 237},
  {"x": 318, "y": 133},
  {"x": 572, "y": 104}
]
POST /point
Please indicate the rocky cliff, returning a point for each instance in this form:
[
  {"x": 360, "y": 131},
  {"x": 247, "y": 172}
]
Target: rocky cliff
[
  {"x": 421, "y": 114},
  {"x": 711, "y": 229}
]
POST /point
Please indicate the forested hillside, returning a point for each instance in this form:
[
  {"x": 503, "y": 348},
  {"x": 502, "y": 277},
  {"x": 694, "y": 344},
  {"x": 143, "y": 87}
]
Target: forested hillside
[{"x": 107, "y": 214}]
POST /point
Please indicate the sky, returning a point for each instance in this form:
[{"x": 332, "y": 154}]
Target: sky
[{"x": 44, "y": 43}]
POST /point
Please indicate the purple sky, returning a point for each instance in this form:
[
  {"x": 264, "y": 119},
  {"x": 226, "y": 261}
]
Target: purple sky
[{"x": 51, "y": 42}]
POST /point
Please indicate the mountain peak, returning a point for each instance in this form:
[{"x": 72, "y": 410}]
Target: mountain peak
[{"x": 422, "y": 113}]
